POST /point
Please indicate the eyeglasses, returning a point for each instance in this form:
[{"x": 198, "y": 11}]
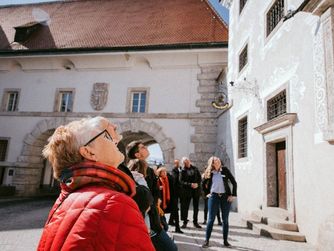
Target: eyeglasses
[{"x": 106, "y": 135}]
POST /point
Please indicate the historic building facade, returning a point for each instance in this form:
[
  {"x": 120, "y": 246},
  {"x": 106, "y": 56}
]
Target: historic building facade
[
  {"x": 136, "y": 64},
  {"x": 279, "y": 130}
]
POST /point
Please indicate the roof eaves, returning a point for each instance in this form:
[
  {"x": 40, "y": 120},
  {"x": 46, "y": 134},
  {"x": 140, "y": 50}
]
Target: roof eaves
[{"x": 8, "y": 53}]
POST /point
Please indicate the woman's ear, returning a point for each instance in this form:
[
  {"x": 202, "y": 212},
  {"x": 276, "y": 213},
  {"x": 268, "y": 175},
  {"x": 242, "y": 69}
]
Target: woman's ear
[{"x": 87, "y": 153}]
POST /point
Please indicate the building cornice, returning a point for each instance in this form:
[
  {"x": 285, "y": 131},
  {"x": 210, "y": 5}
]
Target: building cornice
[
  {"x": 69, "y": 51},
  {"x": 317, "y": 7},
  {"x": 284, "y": 120},
  {"x": 112, "y": 115}
]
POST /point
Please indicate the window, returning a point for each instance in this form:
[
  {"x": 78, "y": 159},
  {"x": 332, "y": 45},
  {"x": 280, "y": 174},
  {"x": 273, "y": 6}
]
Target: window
[
  {"x": 242, "y": 138},
  {"x": 10, "y": 100},
  {"x": 138, "y": 103},
  {"x": 274, "y": 15},
  {"x": 242, "y": 4},
  {"x": 3, "y": 149},
  {"x": 243, "y": 58},
  {"x": 64, "y": 100},
  {"x": 276, "y": 106}
]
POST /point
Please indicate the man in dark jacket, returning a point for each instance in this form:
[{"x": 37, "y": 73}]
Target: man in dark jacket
[
  {"x": 176, "y": 185},
  {"x": 190, "y": 180},
  {"x": 160, "y": 239}
]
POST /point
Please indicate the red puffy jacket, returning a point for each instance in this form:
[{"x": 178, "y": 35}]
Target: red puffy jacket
[{"x": 95, "y": 218}]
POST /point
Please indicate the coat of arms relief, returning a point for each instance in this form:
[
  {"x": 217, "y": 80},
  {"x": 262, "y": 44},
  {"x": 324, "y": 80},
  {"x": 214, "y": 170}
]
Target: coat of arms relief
[{"x": 99, "y": 97}]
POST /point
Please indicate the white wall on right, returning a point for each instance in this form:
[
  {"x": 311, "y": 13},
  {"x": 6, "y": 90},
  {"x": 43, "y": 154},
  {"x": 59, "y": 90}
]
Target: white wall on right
[{"x": 287, "y": 58}]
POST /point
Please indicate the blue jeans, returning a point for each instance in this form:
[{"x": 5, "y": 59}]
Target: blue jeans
[
  {"x": 162, "y": 242},
  {"x": 215, "y": 202}
]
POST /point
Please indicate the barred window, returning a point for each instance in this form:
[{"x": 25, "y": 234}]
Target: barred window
[
  {"x": 242, "y": 138},
  {"x": 276, "y": 106},
  {"x": 3, "y": 149},
  {"x": 243, "y": 58},
  {"x": 274, "y": 15},
  {"x": 242, "y": 5}
]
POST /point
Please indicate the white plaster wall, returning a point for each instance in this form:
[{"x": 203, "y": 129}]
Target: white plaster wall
[
  {"x": 172, "y": 79},
  {"x": 16, "y": 129},
  {"x": 285, "y": 59},
  {"x": 170, "y": 76}
]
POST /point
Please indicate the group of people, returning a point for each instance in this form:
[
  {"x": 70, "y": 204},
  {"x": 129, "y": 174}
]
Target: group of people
[{"x": 107, "y": 203}]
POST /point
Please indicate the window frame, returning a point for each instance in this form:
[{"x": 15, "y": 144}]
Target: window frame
[
  {"x": 240, "y": 119},
  {"x": 245, "y": 47},
  {"x": 278, "y": 25},
  {"x": 58, "y": 99},
  {"x": 274, "y": 94},
  {"x": 131, "y": 92},
  {"x": 5, "y": 99}
]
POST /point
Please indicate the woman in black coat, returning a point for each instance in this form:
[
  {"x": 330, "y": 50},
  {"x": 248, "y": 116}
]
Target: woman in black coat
[{"x": 220, "y": 196}]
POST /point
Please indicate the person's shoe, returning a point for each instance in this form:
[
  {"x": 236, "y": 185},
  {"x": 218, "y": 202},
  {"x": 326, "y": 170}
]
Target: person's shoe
[
  {"x": 226, "y": 244},
  {"x": 196, "y": 225},
  {"x": 205, "y": 244},
  {"x": 220, "y": 223},
  {"x": 184, "y": 225},
  {"x": 178, "y": 230}
]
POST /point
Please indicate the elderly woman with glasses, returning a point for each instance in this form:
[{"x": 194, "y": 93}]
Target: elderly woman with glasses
[
  {"x": 220, "y": 196},
  {"x": 94, "y": 210}
]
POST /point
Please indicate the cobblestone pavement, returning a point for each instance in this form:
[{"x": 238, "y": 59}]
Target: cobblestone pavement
[
  {"x": 21, "y": 224},
  {"x": 240, "y": 238}
]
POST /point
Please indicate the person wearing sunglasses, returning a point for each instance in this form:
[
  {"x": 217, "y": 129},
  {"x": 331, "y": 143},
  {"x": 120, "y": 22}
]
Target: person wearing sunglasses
[
  {"x": 220, "y": 196},
  {"x": 95, "y": 210}
]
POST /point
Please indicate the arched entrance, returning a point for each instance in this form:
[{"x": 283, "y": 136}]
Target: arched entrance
[
  {"x": 150, "y": 133},
  {"x": 30, "y": 165}
]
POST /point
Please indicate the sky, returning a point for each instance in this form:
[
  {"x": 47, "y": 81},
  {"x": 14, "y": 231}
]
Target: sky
[
  {"x": 155, "y": 150},
  {"x": 219, "y": 8}
]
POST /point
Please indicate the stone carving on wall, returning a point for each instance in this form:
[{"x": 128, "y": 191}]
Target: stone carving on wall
[
  {"x": 99, "y": 97},
  {"x": 319, "y": 83}
]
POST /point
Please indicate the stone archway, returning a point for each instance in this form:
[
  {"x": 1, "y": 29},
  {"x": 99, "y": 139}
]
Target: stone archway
[
  {"x": 30, "y": 163},
  {"x": 155, "y": 131}
]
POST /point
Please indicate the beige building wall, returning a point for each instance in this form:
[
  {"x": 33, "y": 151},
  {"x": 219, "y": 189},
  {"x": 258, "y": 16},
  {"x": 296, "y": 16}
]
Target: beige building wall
[{"x": 180, "y": 86}]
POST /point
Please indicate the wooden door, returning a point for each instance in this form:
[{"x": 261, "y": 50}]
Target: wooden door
[{"x": 281, "y": 175}]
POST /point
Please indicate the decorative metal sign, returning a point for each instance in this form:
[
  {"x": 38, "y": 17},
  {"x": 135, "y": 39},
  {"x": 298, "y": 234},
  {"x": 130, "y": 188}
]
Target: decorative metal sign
[{"x": 99, "y": 97}]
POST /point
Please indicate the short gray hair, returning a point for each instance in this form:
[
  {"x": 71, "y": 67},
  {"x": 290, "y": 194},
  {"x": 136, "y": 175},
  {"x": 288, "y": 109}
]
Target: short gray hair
[{"x": 184, "y": 159}]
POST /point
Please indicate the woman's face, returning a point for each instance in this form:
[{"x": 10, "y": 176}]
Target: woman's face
[
  {"x": 105, "y": 148},
  {"x": 163, "y": 174},
  {"x": 216, "y": 164}
]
